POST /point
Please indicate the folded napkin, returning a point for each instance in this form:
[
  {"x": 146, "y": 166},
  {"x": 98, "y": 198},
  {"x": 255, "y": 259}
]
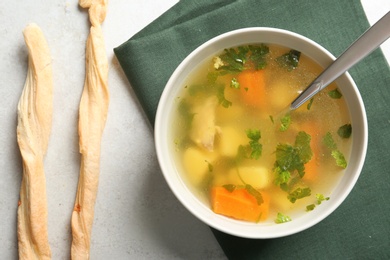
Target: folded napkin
[{"x": 360, "y": 227}]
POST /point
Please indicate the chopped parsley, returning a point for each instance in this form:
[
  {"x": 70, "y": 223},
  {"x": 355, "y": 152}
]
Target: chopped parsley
[
  {"x": 217, "y": 89},
  {"x": 329, "y": 142},
  {"x": 321, "y": 198},
  {"x": 234, "y": 83},
  {"x": 249, "y": 188},
  {"x": 212, "y": 77},
  {"x": 335, "y": 94},
  {"x": 236, "y": 60},
  {"x": 302, "y": 145},
  {"x": 289, "y": 60},
  {"x": 272, "y": 119},
  {"x": 209, "y": 165},
  {"x": 340, "y": 159},
  {"x": 229, "y": 187},
  {"x": 310, "y": 207},
  {"x": 285, "y": 122},
  {"x": 254, "y": 149},
  {"x": 258, "y": 55},
  {"x": 299, "y": 193},
  {"x": 221, "y": 97},
  {"x": 345, "y": 131},
  {"x": 336, "y": 154},
  {"x": 310, "y": 103},
  {"x": 233, "y": 60},
  {"x": 255, "y": 193},
  {"x": 281, "y": 218},
  {"x": 290, "y": 159},
  {"x": 253, "y": 134},
  {"x": 282, "y": 176}
]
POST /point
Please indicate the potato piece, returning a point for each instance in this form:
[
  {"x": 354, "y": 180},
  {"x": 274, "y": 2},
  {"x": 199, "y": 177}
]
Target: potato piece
[
  {"x": 256, "y": 176},
  {"x": 230, "y": 139},
  {"x": 196, "y": 164}
]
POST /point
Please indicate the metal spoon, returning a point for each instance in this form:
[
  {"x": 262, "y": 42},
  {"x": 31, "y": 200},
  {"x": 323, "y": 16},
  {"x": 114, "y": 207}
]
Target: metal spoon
[{"x": 363, "y": 46}]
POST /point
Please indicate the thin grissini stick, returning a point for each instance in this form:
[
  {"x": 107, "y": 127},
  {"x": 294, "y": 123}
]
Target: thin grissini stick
[
  {"x": 33, "y": 131},
  {"x": 92, "y": 118}
]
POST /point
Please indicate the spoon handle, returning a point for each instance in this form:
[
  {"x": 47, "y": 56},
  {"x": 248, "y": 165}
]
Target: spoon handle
[{"x": 363, "y": 46}]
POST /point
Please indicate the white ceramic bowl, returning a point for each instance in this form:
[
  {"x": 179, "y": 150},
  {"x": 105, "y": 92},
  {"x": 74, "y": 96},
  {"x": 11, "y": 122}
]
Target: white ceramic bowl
[{"x": 164, "y": 139}]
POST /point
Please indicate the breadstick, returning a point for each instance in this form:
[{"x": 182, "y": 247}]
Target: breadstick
[
  {"x": 92, "y": 118},
  {"x": 33, "y": 131}
]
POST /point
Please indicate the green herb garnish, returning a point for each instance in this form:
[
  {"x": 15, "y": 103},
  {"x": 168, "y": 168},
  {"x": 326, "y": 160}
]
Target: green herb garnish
[
  {"x": 302, "y": 146},
  {"x": 258, "y": 55},
  {"x": 255, "y": 193},
  {"x": 210, "y": 166},
  {"x": 229, "y": 187},
  {"x": 217, "y": 89},
  {"x": 254, "y": 149},
  {"x": 292, "y": 158},
  {"x": 340, "y": 159},
  {"x": 272, "y": 119},
  {"x": 233, "y": 60},
  {"x": 221, "y": 97},
  {"x": 310, "y": 103},
  {"x": 321, "y": 198},
  {"x": 212, "y": 77},
  {"x": 255, "y": 146},
  {"x": 310, "y": 207},
  {"x": 234, "y": 83},
  {"x": 336, "y": 154},
  {"x": 282, "y": 176},
  {"x": 289, "y": 60},
  {"x": 335, "y": 94},
  {"x": 329, "y": 142},
  {"x": 345, "y": 131},
  {"x": 249, "y": 188},
  {"x": 285, "y": 122},
  {"x": 299, "y": 193},
  {"x": 281, "y": 218}
]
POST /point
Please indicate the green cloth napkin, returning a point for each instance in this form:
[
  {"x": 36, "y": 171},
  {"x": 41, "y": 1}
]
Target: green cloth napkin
[{"x": 360, "y": 227}]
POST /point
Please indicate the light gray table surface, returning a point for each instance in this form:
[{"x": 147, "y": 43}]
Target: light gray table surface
[{"x": 136, "y": 215}]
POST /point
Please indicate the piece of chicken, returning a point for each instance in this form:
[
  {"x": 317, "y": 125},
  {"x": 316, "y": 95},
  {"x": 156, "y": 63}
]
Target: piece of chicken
[
  {"x": 33, "y": 131},
  {"x": 203, "y": 127},
  {"x": 92, "y": 118}
]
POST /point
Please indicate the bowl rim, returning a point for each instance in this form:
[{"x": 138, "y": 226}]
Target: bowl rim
[{"x": 236, "y": 227}]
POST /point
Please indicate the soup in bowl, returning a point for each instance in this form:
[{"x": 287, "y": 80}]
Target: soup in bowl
[{"x": 235, "y": 155}]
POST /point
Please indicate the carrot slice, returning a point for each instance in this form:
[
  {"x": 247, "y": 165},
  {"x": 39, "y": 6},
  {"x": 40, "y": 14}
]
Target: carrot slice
[
  {"x": 311, "y": 169},
  {"x": 239, "y": 204},
  {"x": 252, "y": 85}
]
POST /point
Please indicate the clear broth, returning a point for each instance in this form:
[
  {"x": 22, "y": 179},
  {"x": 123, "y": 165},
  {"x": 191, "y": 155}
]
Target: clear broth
[{"x": 202, "y": 167}]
